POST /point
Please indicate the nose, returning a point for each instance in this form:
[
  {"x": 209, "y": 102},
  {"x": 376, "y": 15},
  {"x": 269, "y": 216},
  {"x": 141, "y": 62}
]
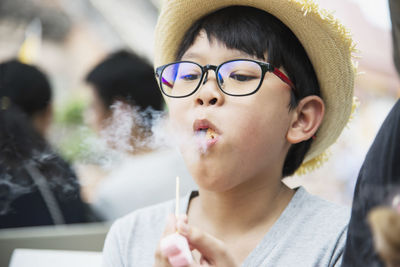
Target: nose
[{"x": 209, "y": 93}]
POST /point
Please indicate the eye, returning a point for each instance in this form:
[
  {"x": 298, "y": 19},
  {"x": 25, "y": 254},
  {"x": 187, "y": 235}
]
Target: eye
[
  {"x": 242, "y": 77},
  {"x": 189, "y": 77}
]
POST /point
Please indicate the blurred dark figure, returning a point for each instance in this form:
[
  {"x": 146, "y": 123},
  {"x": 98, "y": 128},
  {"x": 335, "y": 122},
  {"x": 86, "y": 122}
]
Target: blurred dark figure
[
  {"x": 36, "y": 186},
  {"x": 378, "y": 181},
  {"x": 394, "y": 6},
  {"x": 125, "y": 77}
]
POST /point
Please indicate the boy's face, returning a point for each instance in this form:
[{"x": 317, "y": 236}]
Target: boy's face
[{"x": 249, "y": 132}]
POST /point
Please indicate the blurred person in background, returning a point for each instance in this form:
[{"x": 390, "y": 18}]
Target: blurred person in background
[
  {"x": 373, "y": 237},
  {"x": 37, "y": 187},
  {"x": 125, "y": 102}
]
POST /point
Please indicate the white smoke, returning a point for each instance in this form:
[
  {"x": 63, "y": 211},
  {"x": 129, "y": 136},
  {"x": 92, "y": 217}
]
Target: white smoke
[
  {"x": 9, "y": 191},
  {"x": 201, "y": 140},
  {"x": 128, "y": 131}
]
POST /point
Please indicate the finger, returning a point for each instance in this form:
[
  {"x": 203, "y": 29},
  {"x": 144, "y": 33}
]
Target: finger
[
  {"x": 182, "y": 228},
  {"x": 210, "y": 247},
  {"x": 182, "y": 218},
  {"x": 177, "y": 258},
  {"x": 179, "y": 261},
  {"x": 160, "y": 260},
  {"x": 170, "y": 227}
]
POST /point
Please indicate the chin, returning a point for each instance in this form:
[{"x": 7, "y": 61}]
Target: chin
[
  {"x": 213, "y": 187},
  {"x": 214, "y": 182}
]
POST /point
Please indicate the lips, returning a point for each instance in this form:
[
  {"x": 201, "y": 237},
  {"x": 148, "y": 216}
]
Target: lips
[{"x": 207, "y": 134}]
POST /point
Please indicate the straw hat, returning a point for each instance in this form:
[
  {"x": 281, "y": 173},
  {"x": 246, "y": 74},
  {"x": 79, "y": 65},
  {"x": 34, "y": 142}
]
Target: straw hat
[{"x": 327, "y": 42}]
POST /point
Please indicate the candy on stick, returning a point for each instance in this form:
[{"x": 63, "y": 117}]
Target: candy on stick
[
  {"x": 210, "y": 133},
  {"x": 175, "y": 246}
]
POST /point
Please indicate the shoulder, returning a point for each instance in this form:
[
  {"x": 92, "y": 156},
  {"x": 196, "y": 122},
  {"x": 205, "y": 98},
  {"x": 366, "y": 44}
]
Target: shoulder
[
  {"x": 133, "y": 238},
  {"x": 313, "y": 215},
  {"x": 319, "y": 225},
  {"x": 310, "y": 229},
  {"x": 152, "y": 217},
  {"x": 148, "y": 217},
  {"x": 314, "y": 209}
]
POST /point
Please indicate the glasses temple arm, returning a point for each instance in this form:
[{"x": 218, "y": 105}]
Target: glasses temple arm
[{"x": 283, "y": 77}]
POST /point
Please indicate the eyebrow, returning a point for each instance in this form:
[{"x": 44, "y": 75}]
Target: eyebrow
[
  {"x": 194, "y": 55},
  {"x": 191, "y": 55}
]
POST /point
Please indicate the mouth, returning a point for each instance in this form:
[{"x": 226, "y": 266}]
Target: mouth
[
  {"x": 205, "y": 128},
  {"x": 206, "y": 133}
]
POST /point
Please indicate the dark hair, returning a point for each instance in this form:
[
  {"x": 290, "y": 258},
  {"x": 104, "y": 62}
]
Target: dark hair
[
  {"x": 127, "y": 77},
  {"x": 18, "y": 138},
  {"x": 25, "y": 91},
  {"x": 25, "y": 86},
  {"x": 256, "y": 32}
]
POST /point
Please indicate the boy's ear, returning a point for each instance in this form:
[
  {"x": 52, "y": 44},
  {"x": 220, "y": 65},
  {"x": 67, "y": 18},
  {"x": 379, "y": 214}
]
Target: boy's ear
[{"x": 307, "y": 117}]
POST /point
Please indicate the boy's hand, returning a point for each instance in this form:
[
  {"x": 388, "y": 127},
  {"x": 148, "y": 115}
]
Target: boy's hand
[{"x": 213, "y": 251}]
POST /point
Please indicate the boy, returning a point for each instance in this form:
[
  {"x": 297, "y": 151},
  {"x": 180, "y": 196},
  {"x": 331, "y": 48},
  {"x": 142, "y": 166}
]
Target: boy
[{"x": 236, "y": 77}]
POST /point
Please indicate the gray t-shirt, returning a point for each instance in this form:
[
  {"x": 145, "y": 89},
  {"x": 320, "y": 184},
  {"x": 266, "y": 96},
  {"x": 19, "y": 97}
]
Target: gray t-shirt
[{"x": 309, "y": 232}]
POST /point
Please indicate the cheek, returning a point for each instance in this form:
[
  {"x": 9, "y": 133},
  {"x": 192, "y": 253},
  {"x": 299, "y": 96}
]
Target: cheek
[
  {"x": 177, "y": 109},
  {"x": 261, "y": 136},
  {"x": 180, "y": 128},
  {"x": 177, "y": 123},
  {"x": 175, "y": 116}
]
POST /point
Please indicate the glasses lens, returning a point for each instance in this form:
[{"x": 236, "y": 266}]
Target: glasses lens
[
  {"x": 239, "y": 77},
  {"x": 180, "y": 79}
]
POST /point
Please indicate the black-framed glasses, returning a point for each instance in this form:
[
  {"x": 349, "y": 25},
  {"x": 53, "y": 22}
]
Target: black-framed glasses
[{"x": 239, "y": 77}]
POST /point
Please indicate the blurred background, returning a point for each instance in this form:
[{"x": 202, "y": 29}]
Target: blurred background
[{"x": 76, "y": 35}]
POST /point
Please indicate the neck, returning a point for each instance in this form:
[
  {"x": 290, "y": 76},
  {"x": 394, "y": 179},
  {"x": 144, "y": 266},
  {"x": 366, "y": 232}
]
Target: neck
[{"x": 245, "y": 207}]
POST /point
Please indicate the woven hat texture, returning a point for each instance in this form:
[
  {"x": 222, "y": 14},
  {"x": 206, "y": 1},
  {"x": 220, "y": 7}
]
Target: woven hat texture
[{"x": 327, "y": 42}]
